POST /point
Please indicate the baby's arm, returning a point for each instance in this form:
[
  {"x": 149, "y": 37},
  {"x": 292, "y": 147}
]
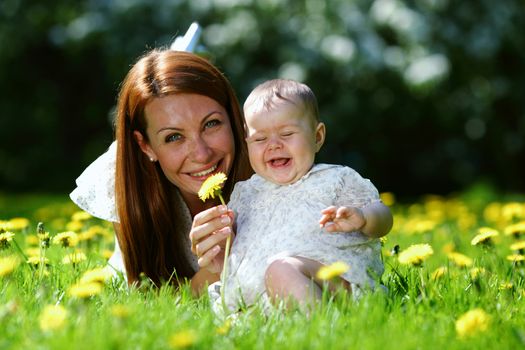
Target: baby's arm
[{"x": 374, "y": 220}]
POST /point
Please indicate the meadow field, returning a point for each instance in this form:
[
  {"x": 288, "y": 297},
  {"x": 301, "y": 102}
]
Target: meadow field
[{"x": 454, "y": 270}]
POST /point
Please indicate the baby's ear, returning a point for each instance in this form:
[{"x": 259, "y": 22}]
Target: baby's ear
[{"x": 320, "y": 133}]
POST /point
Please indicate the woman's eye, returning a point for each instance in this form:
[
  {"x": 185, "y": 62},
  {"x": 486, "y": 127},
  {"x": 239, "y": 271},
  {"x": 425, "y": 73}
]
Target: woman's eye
[
  {"x": 173, "y": 137},
  {"x": 211, "y": 123},
  {"x": 285, "y": 134},
  {"x": 260, "y": 139}
]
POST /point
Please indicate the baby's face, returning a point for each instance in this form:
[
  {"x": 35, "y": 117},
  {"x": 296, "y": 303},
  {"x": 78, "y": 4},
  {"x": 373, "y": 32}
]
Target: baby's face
[{"x": 282, "y": 143}]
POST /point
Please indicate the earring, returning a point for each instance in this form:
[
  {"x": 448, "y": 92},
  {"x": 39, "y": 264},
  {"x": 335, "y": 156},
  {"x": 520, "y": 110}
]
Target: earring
[{"x": 151, "y": 159}]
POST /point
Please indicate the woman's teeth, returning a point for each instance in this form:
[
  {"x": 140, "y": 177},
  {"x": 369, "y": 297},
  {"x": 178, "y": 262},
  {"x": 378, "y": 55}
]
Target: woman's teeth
[{"x": 205, "y": 172}]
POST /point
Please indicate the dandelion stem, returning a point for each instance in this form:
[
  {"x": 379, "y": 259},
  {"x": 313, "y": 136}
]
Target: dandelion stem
[{"x": 224, "y": 267}]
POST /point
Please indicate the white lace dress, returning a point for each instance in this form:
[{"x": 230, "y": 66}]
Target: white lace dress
[
  {"x": 275, "y": 221},
  {"x": 95, "y": 193}
]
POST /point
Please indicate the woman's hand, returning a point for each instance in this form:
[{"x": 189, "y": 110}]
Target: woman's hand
[{"x": 208, "y": 235}]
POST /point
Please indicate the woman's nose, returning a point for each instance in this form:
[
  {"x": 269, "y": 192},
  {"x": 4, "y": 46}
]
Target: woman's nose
[{"x": 200, "y": 151}]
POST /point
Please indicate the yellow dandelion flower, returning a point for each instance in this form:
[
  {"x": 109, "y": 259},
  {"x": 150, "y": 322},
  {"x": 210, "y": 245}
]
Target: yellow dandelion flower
[
  {"x": 516, "y": 229},
  {"x": 513, "y": 210},
  {"x": 516, "y": 258},
  {"x": 66, "y": 239},
  {"x": 100, "y": 275},
  {"x": 53, "y": 317},
  {"x": 74, "y": 226},
  {"x": 415, "y": 254},
  {"x": 34, "y": 251},
  {"x": 80, "y": 216},
  {"x": 459, "y": 259},
  {"x": 492, "y": 212},
  {"x": 518, "y": 246},
  {"x": 485, "y": 235},
  {"x": 106, "y": 253},
  {"x": 333, "y": 270},
  {"x": 416, "y": 226},
  {"x": 85, "y": 290},
  {"x": 183, "y": 339},
  {"x": 506, "y": 286},
  {"x": 16, "y": 224},
  {"x": 5, "y": 239},
  {"x": 224, "y": 328},
  {"x": 476, "y": 272},
  {"x": 74, "y": 258},
  {"x": 32, "y": 240},
  {"x": 37, "y": 260},
  {"x": 448, "y": 248},
  {"x": 7, "y": 265},
  {"x": 472, "y": 322},
  {"x": 388, "y": 198},
  {"x": 120, "y": 311},
  {"x": 211, "y": 187},
  {"x": 439, "y": 272}
]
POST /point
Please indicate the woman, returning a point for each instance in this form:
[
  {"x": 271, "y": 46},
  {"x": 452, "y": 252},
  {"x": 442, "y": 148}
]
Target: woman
[{"x": 178, "y": 121}]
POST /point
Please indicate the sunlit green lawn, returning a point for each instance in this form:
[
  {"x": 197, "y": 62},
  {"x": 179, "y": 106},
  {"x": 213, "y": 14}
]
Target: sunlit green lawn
[{"x": 450, "y": 295}]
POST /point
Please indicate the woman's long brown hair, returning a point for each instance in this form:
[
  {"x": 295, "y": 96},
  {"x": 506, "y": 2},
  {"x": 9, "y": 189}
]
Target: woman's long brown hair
[{"x": 148, "y": 236}]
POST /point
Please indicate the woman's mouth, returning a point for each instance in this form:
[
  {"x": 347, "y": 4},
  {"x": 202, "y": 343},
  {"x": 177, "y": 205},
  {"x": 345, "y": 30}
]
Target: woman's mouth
[{"x": 205, "y": 172}]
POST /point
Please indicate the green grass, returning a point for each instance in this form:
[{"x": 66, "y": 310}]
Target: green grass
[{"x": 417, "y": 312}]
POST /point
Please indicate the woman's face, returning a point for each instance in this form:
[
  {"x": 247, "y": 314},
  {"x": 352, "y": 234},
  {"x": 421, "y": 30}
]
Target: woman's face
[{"x": 191, "y": 137}]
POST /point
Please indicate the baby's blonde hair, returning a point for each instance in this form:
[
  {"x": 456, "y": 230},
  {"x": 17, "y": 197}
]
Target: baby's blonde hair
[{"x": 269, "y": 94}]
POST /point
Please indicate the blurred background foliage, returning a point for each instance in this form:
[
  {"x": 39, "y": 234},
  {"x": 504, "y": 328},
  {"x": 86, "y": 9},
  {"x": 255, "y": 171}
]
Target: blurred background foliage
[{"x": 422, "y": 96}]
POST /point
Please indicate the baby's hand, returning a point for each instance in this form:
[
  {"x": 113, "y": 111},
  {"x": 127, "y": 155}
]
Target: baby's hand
[{"x": 342, "y": 219}]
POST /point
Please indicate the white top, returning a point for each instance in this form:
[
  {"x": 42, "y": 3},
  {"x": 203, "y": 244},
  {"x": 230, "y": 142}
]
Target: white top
[
  {"x": 95, "y": 194},
  {"x": 275, "y": 221}
]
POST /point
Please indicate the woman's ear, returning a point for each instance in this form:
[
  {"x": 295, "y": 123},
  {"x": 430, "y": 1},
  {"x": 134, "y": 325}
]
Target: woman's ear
[
  {"x": 144, "y": 146},
  {"x": 320, "y": 133}
]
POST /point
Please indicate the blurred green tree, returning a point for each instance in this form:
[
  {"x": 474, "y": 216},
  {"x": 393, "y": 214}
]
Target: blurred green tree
[{"x": 420, "y": 96}]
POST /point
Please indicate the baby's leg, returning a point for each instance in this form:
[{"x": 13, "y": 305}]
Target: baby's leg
[{"x": 294, "y": 278}]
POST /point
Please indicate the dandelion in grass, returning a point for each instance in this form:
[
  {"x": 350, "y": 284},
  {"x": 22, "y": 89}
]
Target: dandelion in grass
[
  {"x": 99, "y": 275},
  {"x": 81, "y": 216},
  {"x": 183, "y": 339},
  {"x": 74, "y": 226},
  {"x": 42, "y": 235},
  {"x": 439, "y": 272},
  {"x": 415, "y": 254},
  {"x": 7, "y": 265},
  {"x": 37, "y": 261},
  {"x": 5, "y": 239},
  {"x": 66, "y": 239},
  {"x": 224, "y": 328},
  {"x": 516, "y": 258},
  {"x": 53, "y": 317},
  {"x": 32, "y": 240},
  {"x": 459, "y": 259},
  {"x": 17, "y": 224},
  {"x": 472, "y": 322},
  {"x": 331, "y": 271},
  {"x": 518, "y": 247},
  {"x": 477, "y": 272},
  {"x": 388, "y": 198},
  {"x": 506, "y": 286},
  {"x": 74, "y": 258},
  {"x": 85, "y": 290},
  {"x": 515, "y": 230},
  {"x": 448, "y": 248},
  {"x": 120, "y": 311},
  {"x": 485, "y": 236},
  {"x": 513, "y": 210}
]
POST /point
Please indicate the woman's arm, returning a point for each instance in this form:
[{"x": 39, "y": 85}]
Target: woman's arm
[{"x": 201, "y": 280}]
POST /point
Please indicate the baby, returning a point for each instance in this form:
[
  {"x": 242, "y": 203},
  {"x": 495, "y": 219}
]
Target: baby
[{"x": 293, "y": 216}]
